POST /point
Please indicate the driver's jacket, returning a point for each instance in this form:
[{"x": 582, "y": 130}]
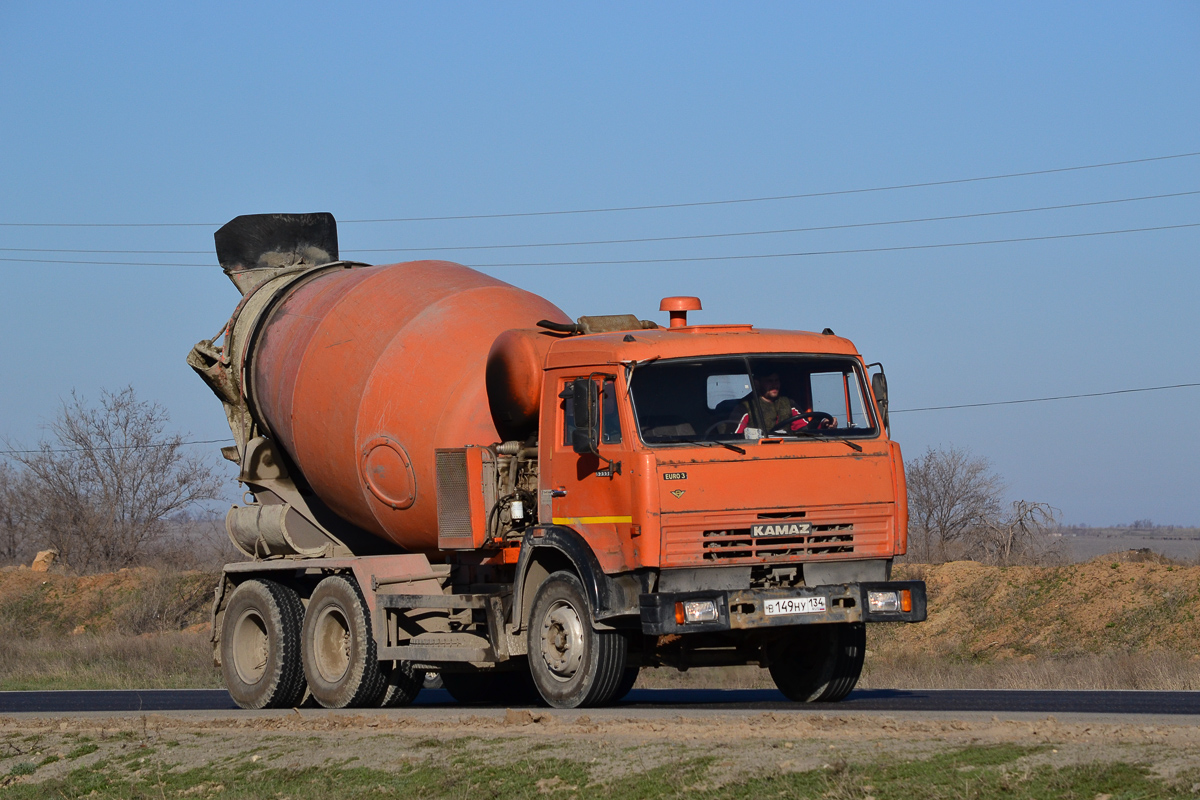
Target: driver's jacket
[{"x": 772, "y": 413}]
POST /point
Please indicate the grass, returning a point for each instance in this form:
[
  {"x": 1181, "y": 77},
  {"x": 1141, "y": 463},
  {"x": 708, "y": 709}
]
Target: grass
[
  {"x": 82, "y": 750},
  {"x": 115, "y": 661},
  {"x": 981, "y": 773},
  {"x": 184, "y": 660}
]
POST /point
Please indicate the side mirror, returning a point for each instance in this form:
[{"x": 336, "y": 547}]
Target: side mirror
[
  {"x": 880, "y": 390},
  {"x": 585, "y": 406}
]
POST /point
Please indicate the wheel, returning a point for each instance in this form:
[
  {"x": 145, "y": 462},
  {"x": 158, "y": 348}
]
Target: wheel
[
  {"x": 339, "y": 650},
  {"x": 572, "y": 664},
  {"x": 512, "y": 687},
  {"x": 260, "y": 645},
  {"x": 818, "y": 663},
  {"x": 628, "y": 679},
  {"x": 403, "y": 685}
]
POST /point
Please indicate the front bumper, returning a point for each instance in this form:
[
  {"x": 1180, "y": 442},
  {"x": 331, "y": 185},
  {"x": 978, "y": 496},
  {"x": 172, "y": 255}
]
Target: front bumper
[{"x": 744, "y": 609}]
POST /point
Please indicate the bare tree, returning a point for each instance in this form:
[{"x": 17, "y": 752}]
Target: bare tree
[
  {"x": 103, "y": 488},
  {"x": 955, "y": 510},
  {"x": 14, "y": 540},
  {"x": 1018, "y": 536},
  {"x": 950, "y": 493}
]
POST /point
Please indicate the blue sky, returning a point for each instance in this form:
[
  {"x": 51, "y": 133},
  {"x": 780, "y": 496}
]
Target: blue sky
[{"x": 195, "y": 113}]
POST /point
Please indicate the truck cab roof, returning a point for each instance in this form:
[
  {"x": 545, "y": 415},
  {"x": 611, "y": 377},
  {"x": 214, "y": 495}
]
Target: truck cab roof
[{"x": 689, "y": 342}]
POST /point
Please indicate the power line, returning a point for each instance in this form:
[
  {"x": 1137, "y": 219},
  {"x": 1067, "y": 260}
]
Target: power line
[
  {"x": 110, "y": 448},
  {"x": 831, "y": 193},
  {"x": 1046, "y": 399},
  {"x": 111, "y": 252},
  {"x": 509, "y": 215},
  {"x": 108, "y": 263},
  {"x": 838, "y": 252},
  {"x": 845, "y": 226},
  {"x": 691, "y": 258},
  {"x": 641, "y": 240},
  {"x": 893, "y": 411},
  {"x": 778, "y": 230}
]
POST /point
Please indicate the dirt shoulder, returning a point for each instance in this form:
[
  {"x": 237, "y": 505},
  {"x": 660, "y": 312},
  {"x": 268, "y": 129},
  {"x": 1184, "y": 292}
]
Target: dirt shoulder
[{"x": 714, "y": 755}]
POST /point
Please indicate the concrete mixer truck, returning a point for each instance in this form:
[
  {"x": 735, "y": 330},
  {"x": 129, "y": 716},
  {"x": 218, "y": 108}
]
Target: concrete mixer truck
[{"x": 445, "y": 473}]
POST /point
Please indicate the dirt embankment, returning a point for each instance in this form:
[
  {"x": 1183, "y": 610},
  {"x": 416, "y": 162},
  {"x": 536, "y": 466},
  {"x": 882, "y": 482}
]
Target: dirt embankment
[
  {"x": 1109, "y": 605},
  {"x": 131, "y": 601},
  {"x": 1111, "y": 623}
]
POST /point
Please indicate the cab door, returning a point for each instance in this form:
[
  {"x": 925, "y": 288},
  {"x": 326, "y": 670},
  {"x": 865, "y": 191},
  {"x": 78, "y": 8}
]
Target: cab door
[{"x": 591, "y": 493}]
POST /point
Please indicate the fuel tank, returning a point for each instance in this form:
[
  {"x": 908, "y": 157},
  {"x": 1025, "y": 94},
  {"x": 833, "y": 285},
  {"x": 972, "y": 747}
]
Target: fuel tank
[{"x": 360, "y": 372}]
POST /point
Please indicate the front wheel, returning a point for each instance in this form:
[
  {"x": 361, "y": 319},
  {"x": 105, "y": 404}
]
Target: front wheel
[
  {"x": 572, "y": 664},
  {"x": 818, "y": 663}
]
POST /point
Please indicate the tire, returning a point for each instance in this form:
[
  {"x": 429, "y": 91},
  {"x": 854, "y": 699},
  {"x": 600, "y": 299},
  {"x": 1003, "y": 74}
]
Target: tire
[
  {"x": 403, "y": 685},
  {"x": 818, "y": 663},
  {"x": 339, "y": 651},
  {"x": 572, "y": 664},
  {"x": 260, "y": 645},
  {"x": 628, "y": 679}
]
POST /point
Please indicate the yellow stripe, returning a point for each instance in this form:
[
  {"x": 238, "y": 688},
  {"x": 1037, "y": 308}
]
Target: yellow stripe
[{"x": 589, "y": 520}]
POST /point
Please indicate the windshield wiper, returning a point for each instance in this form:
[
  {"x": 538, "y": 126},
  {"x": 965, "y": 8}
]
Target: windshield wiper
[
  {"x": 707, "y": 443},
  {"x": 825, "y": 437}
]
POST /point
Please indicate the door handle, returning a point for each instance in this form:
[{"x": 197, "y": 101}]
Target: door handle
[{"x": 558, "y": 492}]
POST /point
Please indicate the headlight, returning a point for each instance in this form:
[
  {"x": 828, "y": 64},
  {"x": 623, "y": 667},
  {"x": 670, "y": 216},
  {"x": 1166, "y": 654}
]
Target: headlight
[
  {"x": 696, "y": 611},
  {"x": 883, "y": 601},
  {"x": 890, "y": 601}
]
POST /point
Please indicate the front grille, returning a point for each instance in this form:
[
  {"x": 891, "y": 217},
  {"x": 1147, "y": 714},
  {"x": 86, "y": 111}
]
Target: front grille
[
  {"x": 836, "y": 533},
  {"x": 738, "y": 543}
]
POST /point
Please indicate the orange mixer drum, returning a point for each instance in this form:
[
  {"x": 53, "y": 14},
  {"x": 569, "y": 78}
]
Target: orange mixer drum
[{"x": 361, "y": 373}]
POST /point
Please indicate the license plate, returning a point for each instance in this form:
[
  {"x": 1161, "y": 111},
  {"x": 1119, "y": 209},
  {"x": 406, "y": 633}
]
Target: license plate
[
  {"x": 782, "y": 529},
  {"x": 795, "y": 605}
]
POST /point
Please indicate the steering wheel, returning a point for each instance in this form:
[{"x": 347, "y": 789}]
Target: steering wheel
[
  {"x": 815, "y": 418},
  {"x": 712, "y": 428}
]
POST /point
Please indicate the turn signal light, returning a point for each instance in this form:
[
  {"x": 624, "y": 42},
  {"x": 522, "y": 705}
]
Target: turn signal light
[{"x": 905, "y": 600}]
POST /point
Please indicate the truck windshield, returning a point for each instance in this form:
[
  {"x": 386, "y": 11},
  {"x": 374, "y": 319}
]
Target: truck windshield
[{"x": 749, "y": 397}]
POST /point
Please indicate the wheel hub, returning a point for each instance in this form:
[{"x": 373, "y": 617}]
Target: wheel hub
[
  {"x": 331, "y": 644},
  {"x": 250, "y": 646},
  {"x": 562, "y": 640}
]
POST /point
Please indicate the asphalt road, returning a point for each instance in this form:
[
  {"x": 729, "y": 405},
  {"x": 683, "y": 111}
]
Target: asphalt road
[{"x": 1044, "y": 702}]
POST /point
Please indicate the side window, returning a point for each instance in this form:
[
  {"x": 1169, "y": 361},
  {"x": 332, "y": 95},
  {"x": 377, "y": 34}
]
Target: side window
[
  {"x": 837, "y": 394},
  {"x": 610, "y": 418},
  {"x": 568, "y": 421}
]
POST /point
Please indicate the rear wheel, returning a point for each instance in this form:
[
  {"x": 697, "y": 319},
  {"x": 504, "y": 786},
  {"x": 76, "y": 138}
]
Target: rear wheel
[
  {"x": 339, "y": 651},
  {"x": 260, "y": 645},
  {"x": 818, "y": 663},
  {"x": 572, "y": 663},
  {"x": 403, "y": 685}
]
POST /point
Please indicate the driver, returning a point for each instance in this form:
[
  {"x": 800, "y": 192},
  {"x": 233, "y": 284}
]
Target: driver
[{"x": 773, "y": 407}]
